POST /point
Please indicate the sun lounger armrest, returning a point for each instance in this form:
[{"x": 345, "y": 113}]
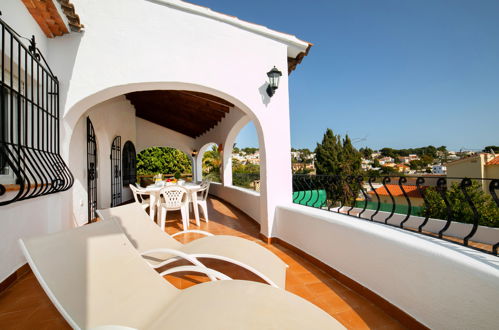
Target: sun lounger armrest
[
  {"x": 207, "y": 271},
  {"x": 202, "y": 232},
  {"x": 238, "y": 263},
  {"x": 174, "y": 252}
]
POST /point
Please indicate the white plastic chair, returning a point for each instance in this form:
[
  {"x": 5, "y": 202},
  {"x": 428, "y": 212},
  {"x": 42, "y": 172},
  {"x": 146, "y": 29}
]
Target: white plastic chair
[
  {"x": 173, "y": 198},
  {"x": 142, "y": 197},
  {"x": 202, "y": 196}
]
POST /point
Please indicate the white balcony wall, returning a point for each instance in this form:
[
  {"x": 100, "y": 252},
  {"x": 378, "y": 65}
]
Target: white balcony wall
[
  {"x": 246, "y": 200},
  {"x": 440, "y": 284}
]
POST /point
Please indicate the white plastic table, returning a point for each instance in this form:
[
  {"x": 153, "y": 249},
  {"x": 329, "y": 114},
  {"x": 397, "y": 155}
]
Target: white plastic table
[{"x": 154, "y": 190}]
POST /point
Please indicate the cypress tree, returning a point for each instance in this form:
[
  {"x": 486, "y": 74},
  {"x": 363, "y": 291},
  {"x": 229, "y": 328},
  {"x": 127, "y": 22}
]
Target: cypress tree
[
  {"x": 336, "y": 157},
  {"x": 342, "y": 161}
]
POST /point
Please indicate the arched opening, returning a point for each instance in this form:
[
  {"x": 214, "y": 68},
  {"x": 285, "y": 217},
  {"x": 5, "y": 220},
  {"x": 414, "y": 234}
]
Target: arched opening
[
  {"x": 117, "y": 114},
  {"x": 116, "y": 179},
  {"x": 129, "y": 164},
  {"x": 164, "y": 163},
  {"x": 211, "y": 162},
  {"x": 91, "y": 171},
  {"x": 246, "y": 159}
]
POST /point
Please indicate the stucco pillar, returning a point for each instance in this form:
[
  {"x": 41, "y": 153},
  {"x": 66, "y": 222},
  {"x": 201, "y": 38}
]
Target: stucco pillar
[
  {"x": 194, "y": 165},
  {"x": 226, "y": 172},
  {"x": 275, "y": 160}
]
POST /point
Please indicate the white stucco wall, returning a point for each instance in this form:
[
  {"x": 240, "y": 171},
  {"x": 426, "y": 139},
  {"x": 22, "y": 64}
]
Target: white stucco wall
[
  {"x": 169, "y": 52},
  {"x": 246, "y": 200},
  {"x": 35, "y": 216},
  {"x": 442, "y": 285},
  {"x": 133, "y": 45},
  {"x": 15, "y": 13},
  {"x": 29, "y": 218}
]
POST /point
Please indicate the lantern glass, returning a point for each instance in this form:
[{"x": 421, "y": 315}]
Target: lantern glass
[{"x": 274, "y": 76}]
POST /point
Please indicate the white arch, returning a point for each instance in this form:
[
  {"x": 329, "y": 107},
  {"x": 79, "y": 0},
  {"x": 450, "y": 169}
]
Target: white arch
[
  {"x": 229, "y": 142},
  {"x": 198, "y": 161},
  {"x": 76, "y": 110}
]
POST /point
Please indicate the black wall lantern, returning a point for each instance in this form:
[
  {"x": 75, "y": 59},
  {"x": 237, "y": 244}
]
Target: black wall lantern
[{"x": 274, "y": 76}]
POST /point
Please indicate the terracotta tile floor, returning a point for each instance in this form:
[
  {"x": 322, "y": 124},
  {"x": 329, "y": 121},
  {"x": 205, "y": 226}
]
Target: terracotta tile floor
[{"x": 25, "y": 305}]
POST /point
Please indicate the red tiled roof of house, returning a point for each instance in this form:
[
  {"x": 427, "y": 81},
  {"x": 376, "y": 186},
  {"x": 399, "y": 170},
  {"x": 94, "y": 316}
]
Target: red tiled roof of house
[
  {"x": 411, "y": 191},
  {"x": 493, "y": 161}
]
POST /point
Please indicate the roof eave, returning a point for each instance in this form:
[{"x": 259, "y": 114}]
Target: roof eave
[{"x": 297, "y": 48}]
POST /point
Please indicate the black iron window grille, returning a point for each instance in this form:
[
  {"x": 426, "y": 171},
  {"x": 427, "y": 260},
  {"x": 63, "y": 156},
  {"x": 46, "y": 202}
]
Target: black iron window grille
[
  {"x": 91, "y": 171},
  {"x": 433, "y": 206},
  {"x": 30, "y": 161},
  {"x": 129, "y": 164},
  {"x": 116, "y": 184}
]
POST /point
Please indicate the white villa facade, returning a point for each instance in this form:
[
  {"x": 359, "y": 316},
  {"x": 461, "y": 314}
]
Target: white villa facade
[
  {"x": 128, "y": 47},
  {"x": 116, "y": 54}
]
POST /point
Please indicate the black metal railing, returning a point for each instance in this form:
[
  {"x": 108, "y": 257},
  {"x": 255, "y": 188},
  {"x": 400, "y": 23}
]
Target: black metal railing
[
  {"x": 30, "y": 160},
  {"x": 424, "y": 204}
]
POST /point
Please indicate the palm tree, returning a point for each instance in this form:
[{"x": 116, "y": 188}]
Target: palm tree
[{"x": 211, "y": 164}]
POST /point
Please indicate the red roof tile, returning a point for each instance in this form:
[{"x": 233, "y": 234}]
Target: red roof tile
[
  {"x": 411, "y": 191},
  {"x": 493, "y": 161}
]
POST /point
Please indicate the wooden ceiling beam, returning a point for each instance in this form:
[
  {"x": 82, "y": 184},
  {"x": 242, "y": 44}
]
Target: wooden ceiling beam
[
  {"x": 172, "y": 96},
  {"x": 200, "y": 102},
  {"x": 208, "y": 97},
  {"x": 189, "y": 113},
  {"x": 171, "y": 124},
  {"x": 189, "y": 120},
  {"x": 179, "y": 110}
]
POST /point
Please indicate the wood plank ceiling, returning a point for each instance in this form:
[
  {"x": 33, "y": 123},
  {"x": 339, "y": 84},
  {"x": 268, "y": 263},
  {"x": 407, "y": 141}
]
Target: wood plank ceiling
[{"x": 189, "y": 113}]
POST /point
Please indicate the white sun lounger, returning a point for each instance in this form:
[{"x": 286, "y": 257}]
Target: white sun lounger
[
  {"x": 160, "y": 249},
  {"x": 95, "y": 278}
]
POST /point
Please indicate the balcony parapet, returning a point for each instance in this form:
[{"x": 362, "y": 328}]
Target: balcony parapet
[
  {"x": 439, "y": 284},
  {"x": 467, "y": 208}
]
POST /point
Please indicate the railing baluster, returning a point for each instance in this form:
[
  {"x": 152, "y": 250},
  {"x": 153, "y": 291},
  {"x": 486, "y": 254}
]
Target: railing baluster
[
  {"x": 466, "y": 183},
  {"x": 350, "y": 182},
  {"x": 493, "y": 186},
  {"x": 378, "y": 205},
  {"x": 329, "y": 192},
  {"x": 419, "y": 182},
  {"x": 403, "y": 180},
  {"x": 360, "y": 180},
  {"x": 442, "y": 189},
  {"x": 386, "y": 180}
]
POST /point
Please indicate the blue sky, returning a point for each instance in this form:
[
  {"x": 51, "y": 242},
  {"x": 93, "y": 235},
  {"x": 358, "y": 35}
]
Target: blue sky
[{"x": 390, "y": 73}]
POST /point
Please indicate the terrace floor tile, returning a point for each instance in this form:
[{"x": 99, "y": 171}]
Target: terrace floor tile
[{"x": 24, "y": 305}]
